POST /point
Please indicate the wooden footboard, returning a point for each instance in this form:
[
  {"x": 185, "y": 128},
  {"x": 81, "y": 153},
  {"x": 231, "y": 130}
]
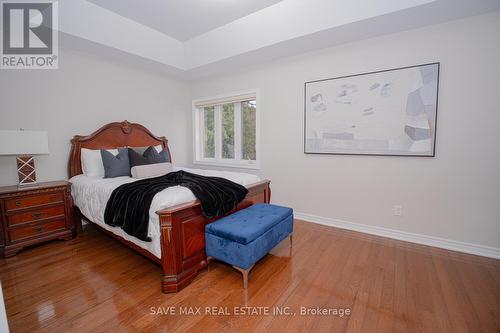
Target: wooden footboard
[{"x": 183, "y": 238}]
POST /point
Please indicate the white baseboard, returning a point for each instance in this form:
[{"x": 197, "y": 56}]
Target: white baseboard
[{"x": 448, "y": 244}]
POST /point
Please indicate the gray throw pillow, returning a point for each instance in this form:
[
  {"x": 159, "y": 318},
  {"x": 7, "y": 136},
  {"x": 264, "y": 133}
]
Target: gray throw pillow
[
  {"x": 150, "y": 156},
  {"x": 115, "y": 166}
]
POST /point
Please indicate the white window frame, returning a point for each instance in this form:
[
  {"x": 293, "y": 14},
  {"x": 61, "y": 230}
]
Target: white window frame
[{"x": 197, "y": 117}]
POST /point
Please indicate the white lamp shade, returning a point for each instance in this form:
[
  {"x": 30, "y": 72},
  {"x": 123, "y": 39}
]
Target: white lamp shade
[{"x": 23, "y": 142}]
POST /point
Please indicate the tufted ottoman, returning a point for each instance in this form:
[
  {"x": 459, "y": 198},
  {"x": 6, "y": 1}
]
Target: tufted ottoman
[{"x": 243, "y": 238}]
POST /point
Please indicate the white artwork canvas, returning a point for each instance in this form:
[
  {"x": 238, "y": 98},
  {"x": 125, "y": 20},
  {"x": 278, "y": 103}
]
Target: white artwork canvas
[{"x": 391, "y": 112}]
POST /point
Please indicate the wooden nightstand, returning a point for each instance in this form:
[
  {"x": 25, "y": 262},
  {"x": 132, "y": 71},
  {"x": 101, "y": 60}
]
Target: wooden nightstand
[{"x": 34, "y": 215}]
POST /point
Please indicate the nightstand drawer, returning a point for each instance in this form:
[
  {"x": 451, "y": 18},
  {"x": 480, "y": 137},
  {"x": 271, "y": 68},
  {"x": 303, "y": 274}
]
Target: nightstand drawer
[
  {"x": 36, "y": 214},
  {"x": 36, "y": 229},
  {"x": 33, "y": 201}
]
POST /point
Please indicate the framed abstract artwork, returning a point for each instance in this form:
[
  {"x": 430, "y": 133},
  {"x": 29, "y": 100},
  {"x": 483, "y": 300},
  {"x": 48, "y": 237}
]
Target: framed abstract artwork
[{"x": 389, "y": 112}]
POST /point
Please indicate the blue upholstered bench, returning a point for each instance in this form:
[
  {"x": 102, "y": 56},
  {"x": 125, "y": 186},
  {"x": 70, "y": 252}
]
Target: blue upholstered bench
[{"x": 243, "y": 238}]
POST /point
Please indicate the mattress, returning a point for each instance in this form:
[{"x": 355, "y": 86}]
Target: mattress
[{"x": 91, "y": 194}]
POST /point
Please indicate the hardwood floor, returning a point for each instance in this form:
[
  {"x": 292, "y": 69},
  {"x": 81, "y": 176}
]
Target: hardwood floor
[{"x": 93, "y": 283}]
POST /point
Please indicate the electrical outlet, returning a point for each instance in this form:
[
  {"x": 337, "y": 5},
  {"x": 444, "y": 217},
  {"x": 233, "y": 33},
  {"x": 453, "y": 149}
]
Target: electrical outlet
[{"x": 397, "y": 210}]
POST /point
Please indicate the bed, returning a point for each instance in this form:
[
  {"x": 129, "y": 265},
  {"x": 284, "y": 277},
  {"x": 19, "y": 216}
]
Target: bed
[{"x": 176, "y": 224}]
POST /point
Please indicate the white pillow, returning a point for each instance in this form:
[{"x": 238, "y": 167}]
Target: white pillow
[
  {"x": 92, "y": 162},
  {"x": 151, "y": 170}
]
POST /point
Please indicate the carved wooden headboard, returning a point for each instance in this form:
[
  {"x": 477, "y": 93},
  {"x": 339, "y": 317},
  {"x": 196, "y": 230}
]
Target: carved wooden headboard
[{"x": 112, "y": 135}]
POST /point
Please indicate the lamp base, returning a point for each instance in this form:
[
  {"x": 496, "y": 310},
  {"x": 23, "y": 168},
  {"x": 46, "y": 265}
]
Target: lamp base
[
  {"x": 32, "y": 186},
  {"x": 26, "y": 170}
]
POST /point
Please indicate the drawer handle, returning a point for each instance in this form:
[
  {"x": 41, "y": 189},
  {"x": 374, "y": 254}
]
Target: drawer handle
[
  {"x": 36, "y": 215},
  {"x": 38, "y": 228},
  {"x": 18, "y": 203}
]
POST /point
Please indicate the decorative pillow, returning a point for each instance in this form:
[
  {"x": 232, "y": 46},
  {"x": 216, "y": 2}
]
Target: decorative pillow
[
  {"x": 150, "y": 156},
  {"x": 115, "y": 166},
  {"x": 92, "y": 162},
  {"x": 151, "y": 170}
]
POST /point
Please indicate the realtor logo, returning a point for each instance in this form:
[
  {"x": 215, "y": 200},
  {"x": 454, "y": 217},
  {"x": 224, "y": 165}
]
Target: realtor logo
[{"x": 29, "y": 35}]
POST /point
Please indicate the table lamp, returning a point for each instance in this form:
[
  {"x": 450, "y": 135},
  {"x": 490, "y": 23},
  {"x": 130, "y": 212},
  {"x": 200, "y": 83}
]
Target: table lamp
[{"x": 24, "y": 144}]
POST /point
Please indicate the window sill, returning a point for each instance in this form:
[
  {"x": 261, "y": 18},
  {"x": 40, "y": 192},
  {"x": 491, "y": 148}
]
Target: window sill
[{"x": 242, "y": 165}]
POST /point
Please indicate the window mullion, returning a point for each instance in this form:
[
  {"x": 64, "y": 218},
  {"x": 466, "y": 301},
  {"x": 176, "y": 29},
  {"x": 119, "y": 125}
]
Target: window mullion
[
  {"x": 218, "y": 132},
  {"x": 237, "y": 131}
]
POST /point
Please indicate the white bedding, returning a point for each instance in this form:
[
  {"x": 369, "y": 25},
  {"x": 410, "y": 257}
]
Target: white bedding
[{"x": 90, "y": 195}]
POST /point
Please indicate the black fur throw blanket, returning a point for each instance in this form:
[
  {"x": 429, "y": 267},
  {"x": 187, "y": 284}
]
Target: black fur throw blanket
[{"x": 128, "y": 206}]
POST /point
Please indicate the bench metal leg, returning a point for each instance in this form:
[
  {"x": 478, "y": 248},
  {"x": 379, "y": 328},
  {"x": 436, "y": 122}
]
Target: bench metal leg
[
  {"x": 245, "y": 274},
  {"x": 209, "y": 260}
]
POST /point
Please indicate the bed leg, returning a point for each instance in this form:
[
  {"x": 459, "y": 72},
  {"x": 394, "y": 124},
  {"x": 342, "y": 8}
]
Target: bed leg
[{"x": 169, "y": 284}]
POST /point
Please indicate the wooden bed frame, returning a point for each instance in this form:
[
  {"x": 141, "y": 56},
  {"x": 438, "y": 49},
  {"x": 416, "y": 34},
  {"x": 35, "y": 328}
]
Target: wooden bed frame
[{"x": 182, "y": 227}]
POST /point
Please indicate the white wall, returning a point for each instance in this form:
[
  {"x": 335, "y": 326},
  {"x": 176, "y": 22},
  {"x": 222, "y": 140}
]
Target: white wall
[
  {"x": 455, "y": 195},
  {"x": 83, "y": 94}
]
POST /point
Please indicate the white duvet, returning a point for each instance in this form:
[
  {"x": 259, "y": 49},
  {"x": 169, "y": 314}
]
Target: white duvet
[{"x": 91, "y": 194}]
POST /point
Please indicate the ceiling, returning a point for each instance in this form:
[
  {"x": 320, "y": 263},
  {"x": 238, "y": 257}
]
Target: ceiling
[
  {"x": 184, "y": 19},
  {"x": 195, "y": 38}
]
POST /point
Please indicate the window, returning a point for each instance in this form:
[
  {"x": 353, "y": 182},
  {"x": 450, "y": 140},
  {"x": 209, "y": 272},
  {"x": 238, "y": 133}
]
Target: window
[{"x": 226, "y": 130}]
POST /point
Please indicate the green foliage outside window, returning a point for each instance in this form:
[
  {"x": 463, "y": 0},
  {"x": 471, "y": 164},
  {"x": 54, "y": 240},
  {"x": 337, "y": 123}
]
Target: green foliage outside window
[
  {"x": 228, "y": 130},
  {"x": 227, "y": 118},
  {"x": 248, "y": 140},
  {"x": 209, "y": 132}
]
